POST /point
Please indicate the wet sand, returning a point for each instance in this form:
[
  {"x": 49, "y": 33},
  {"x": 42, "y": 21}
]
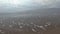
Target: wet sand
[{"x": 31, "y": 25}]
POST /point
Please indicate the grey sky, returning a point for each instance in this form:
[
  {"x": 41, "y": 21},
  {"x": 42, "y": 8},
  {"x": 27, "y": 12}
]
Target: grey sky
[{"x": 20, "y": 5}]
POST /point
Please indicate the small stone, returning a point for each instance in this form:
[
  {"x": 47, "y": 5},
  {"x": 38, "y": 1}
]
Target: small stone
[
  {"x": 10, "y": 25},
  {"x": 0, "y": 30},
  {"x": 21, "y": 27},
  {"x": 33, "y": 30},
  {"x": 42, "y": 27},
  {"x": 45, "y": 25},
  {"x": 48, "y": 23},
  {"x": 3, "y": 25}
]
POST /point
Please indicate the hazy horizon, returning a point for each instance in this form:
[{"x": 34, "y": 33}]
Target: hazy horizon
[{"x": 11, "y": 6}]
